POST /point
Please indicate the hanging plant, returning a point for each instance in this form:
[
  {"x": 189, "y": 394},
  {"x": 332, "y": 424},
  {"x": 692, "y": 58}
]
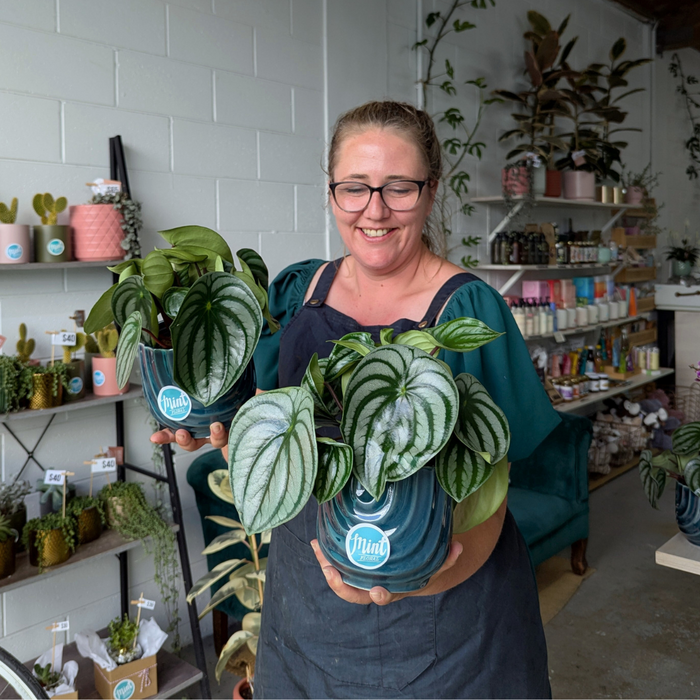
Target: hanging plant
[
  {"x": 692, "y": 143},
  {"x": 132, "y": 221}
]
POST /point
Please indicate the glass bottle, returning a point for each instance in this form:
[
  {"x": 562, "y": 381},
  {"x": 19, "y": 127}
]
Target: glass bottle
[
  {"x": 505, "y": 249},
  {"x": 496, "y": 250},
  {"x": 515, "y": 250}
]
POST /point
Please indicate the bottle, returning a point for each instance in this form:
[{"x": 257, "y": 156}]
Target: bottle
[
  {"x": 524, "y": 249},
  {"x": 505, "y": 249},
  {"x": 520, "y": 318},
  {"x": 598, "y": 358},
  {"x": 515, "y": 250},
  {"x": 561, "y": 249},
  {"x": 543, "y": 250},
  {"x": 533, "y": 249},
  {"x": 529, "y": 321},
  {"x": 551, "y": 316},
  {"x": 496, "y": 250},
  {"x": 624, "y": 350}
]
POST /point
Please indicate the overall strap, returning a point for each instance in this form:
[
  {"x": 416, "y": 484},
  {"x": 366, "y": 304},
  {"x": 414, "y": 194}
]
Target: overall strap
[
  {"x": 324, "y": 283},
  {"x": 443, "y": 294}
]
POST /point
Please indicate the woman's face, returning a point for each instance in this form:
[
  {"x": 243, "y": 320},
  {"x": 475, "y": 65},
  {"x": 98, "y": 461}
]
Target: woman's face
[{"x": 378, "y": 238}]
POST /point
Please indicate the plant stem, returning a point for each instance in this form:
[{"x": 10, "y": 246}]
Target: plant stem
[
  {"x": 335, "y": 398},
  {"x": 155, "y": 337},
  {"x": 256, "y": 563}
]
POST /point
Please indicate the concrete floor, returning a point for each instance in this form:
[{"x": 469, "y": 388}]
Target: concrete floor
[{"x": 632, "y": 630}]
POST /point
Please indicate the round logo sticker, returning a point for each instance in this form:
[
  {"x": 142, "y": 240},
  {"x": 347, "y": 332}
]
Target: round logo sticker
[
  {"x": 75, "y": 386},
  {"x": 124, "y": 689},
  {"x": 14, "y": 251},
  {"x": 98, "y": 377},
  {"x": 56, "y": 246},
  {"x": 174, "y": 403},
  {"x": 367, "y": 546}
]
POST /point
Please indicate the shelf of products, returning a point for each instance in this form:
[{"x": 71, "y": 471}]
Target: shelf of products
[
  {"x": 679, "y": 554},
  {"x": 595, "y": 481},
  {"x": 588, "y": 329},
  {"x": 73, "y": 264},
  {"x": 585, "y": 268}
]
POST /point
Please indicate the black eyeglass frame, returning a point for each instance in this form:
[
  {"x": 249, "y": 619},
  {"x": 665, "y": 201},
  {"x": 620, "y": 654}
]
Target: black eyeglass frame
[{"x": 421, "y": 184}]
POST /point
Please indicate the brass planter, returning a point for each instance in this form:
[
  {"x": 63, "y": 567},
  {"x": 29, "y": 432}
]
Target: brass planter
[
  {"x": 7, "y": 557},
  {"x": 89, "y": 525},
  {"x": 43, "y": 392},
  {"x": 55, "y": 548}
]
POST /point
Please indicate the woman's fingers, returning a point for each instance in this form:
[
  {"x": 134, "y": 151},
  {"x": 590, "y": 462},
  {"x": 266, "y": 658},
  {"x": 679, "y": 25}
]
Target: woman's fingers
[
  {"x": 181, "y": 438},
  {"x": 218, "y": 436},
  {"x": 335, "y": 582}
]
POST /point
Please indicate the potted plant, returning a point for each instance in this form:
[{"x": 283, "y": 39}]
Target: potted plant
[
  {"x": 89, "y": 515},
  {"x": 47, "y": 678},
  {"x": 12, "y": 504},
  {"x": 104, "y": 367},
  {"x": 681, "y": 463},
  {"x": 48, "y": 383},
  {"x": 638, "y": 185},
  {"x": 52, "y": 495},
  {"x": 75, "y": 369},
  {"x": 683, "y": 252},
  {"x": 122, "y": 644},
  {"x": 194, "y": 321},
  {"x": 8, "y": 537},
  {"x": 49, "y": 540},
  {"x": 25, "y": 347},
  {"x": 15, "y": 383},
  {"x": 15, "y": 242},
  {"x": 52, "y": 242},
  {"x": 246, "y": 580}
]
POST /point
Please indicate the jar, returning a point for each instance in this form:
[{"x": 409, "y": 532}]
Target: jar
[
  {"x": 603, "y": 311},
  {"x": 562, "y": 324},
  {"x": 592, "y": 314},
  {"x": 593, "y": 381},
  {"x": 604, "y": 382},
  {"x": 575, "y": 389},
  {"x": 654, "y": 363},
  {"x": 566, "y": 390},
  {"x": 582, "y": 316},
  {"x": 571, "y": 318}
]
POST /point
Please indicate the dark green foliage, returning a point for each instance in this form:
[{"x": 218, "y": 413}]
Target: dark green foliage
[{"x": 122, "y": 633}]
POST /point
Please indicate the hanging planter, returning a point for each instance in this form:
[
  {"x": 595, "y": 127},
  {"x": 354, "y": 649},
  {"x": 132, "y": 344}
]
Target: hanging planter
[{"x": 97, "y": 232}]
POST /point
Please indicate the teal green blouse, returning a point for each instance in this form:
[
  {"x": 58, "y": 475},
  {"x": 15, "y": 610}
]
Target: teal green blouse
[{"x": 503, "y": 366}]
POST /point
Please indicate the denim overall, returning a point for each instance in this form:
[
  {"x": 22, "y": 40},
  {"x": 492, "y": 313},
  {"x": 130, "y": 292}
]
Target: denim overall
[{"x": 483, "y": 638}]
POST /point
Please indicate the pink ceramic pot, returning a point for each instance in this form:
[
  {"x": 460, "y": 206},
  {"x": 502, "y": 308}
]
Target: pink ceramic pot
[
  {"x": 97, "y": 232},
  {"x": 15, "y": 244},
  {"x": 104, "y": 377},
  {"x": 553, "y": 188},
  {"x": 634, "y": 195},
  {"x": 514, "y": 181},
  {"x": 579, "y": 185}
]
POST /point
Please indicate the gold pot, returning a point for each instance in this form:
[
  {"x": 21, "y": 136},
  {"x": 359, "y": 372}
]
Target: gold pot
[
  {"x": 89, "y": 525},
  {"x": 7, "y": 557},
  {"x": 43, "y": 396},
  {"x": 55, "y": 548}
]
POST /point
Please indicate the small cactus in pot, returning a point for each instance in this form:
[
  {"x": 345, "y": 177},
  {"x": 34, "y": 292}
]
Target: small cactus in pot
[
  {"x": 52, "y": 243},
  {"x": 25, "y": 346},
  {"x": 48, "y": 208},
  {"x": 104, "y": 368},
  {"x": 15, "y": 242},
  {"x": 8, "y": 215}
]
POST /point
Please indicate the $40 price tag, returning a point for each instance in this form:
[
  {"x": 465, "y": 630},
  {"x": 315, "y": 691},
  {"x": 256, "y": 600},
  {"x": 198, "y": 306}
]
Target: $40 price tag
[
  {"x": 54, "y": 477},
  {"x": 104, "y": 464},
  {"x": 63, "y": 338}
]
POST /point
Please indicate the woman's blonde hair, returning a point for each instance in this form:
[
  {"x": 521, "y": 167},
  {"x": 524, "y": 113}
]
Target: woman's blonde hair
[{"x": 414, "y": 125}]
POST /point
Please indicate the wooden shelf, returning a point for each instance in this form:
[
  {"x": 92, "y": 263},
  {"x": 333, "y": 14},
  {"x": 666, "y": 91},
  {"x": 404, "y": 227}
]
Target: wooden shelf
[
  {"x": 72, "y": 265},
  {"x": 641, "y": 242},
  {"x": 643, "y": 337},
  {"x": 635, "y": 274},
  {"x": 588, "y": 329},
  {"x": 679, "y": 554},
  {"x": 646, "y": 304},
  {"x": 554, "y": 202}
]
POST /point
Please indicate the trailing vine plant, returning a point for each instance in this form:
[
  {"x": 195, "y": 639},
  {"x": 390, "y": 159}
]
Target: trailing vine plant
[
  {"x": 692, "y": 144},
  {"x": 132, "y": 221},
  {"x": 463, "y": 140}
]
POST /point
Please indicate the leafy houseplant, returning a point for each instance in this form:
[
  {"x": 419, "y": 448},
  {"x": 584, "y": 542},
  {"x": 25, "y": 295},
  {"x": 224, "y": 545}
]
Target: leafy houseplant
[
  {"x": 47, "y": 678},
  {"x": 8, "y": 537},
  {"x": 89, "y": 515},
  {"x": 684, "y": 252},
  {"x": 12, "y": 505},
  {"x": 75, "y": 368},
  {"x": 52, "y": 243},
  {"x": 49, "y": 539},
  {"x": 104, "y": 368},
  {"x": 122, "y": 644},
  {"x": 47, "y": 385},
  {"x": 692, "y": 143},
  {"x": 15, "y": 383},
  {"x": 15, "y": 243},
  {"x": 638, "y": 185}
]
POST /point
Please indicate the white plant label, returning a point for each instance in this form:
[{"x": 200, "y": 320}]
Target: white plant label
[
  {"x": 63, "y": 338},
  {"x": 579, "y": 157},
  {"x": 104, "y": 464},
  {"x": 54, "y": 477},
  {"x": 559, "y": 337},
  {"x": 145, "y": 603},
  {"x": 62, "y": 626}
]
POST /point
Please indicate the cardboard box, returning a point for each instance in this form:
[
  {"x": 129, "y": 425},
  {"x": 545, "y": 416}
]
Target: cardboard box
[
  {"x": 66, "y": 696},
  {"x": 137, "y": 679}
]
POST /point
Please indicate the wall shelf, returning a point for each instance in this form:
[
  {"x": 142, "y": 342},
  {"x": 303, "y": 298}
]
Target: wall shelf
[
  {"x": 587, "y": 329},
  {"x": 626, "y": 275},
  {"x": 72, "y": 265}
]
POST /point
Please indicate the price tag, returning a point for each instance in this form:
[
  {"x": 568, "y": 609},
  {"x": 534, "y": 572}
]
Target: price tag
[
  {"x": 579, "y": 157},
  {"x": 54, "y": 477},
  {"x": 62, "y": 626},
  {"x": 104, "y": 464},
  {"x": 559, "y": 337},
  {"x": 147, "y": 604},
  {"x": 63, "y": 338}
]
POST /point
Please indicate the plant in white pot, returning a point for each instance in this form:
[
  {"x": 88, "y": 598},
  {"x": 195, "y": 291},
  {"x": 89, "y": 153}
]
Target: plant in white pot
[{"x": 15, "y": 241}]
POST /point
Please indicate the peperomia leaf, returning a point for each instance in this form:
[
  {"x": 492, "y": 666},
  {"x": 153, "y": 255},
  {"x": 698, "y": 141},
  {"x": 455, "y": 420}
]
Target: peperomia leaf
[
  {"x": 172, "y": 301},
  {"x": 312, "y": 381},
  {"x": 214, "y": 335},
  {"x": 691, "y": 474},
  {"x": 128, "y": 271},
  {"x": 686, "y": 439},
  {"x": 360, "y": 348},
  {"x": 459, "y": 470},
  {"x": 668, "y": 461},
  {"x": 385, "y": 336},
  {"x": 120, "y": 267},
  {"x": 334, "y": 468},
  {"x": 462, "y": 334},
  {"x": 484, "y": 502},
  {"x": 653, "y": 478},
  {"x": 127, "y": 347},
  {"x": 101, "y": 313},
  {"x": 157, "y": 273},
  {"x": 342, "y": 358},
  {"x": 273, "y": 458},
  {"x": 131, "y": 295},
  {"x": 183, "y": 255},
  {"x": 198, "y": 239},
  {"x": 416, "y": 339},
  {"x": 400, "y": 409},
  {"x": 481, "y": 425},
  {"x": 256, "y": 264}
]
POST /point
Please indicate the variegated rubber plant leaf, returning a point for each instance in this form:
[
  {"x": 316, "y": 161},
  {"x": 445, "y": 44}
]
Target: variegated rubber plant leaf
[
  {"x": 482, "y": 426},
  {"x": 691, "y": 474},
  {"x": 459, "y": 470},
  {"x": 127, "y": 347},
  {"x": 210, "y": 578},
  {"x": 686, "y": 439},
  {"x": 653, "y": 478},
  {"x": 273, "y": 459},
  {"x": 484, "y": 502},
  {"x": 399, "y": 411},
  {"x": 214, "y": 335},
  {"x": 342, "y": 358},
  {"x": 131, "y": 295},
  {"x": 334, "y": 468},
  {"x": 220, "y": 485}
]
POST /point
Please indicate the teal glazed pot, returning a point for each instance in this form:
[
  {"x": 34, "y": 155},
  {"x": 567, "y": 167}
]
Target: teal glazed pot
[
  {"x": 175, "y": 409},
  {"x": 397, "y": 542},
  {"x": 688, "y": 513}
]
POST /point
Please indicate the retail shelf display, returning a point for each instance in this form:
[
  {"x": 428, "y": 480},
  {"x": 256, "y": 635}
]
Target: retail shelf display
[
  {"x": 587, "y": 329},
  {"x": 70, "y": 265}
]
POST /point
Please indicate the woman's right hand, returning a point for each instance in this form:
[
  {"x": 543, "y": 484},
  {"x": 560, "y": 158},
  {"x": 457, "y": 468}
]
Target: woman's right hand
[{"x": 218, "y": 437}]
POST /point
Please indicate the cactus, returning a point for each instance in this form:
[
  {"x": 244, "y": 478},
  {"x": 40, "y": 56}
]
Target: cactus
[
  {"x": 8, "y": 216},
  {"x": 68, "y": 350},
  {"x": 48, "y": 208},
  {"x": 91, "y": 345},
  {"x": 25, "y": 347},
  {"x": 107, "y": 340}
]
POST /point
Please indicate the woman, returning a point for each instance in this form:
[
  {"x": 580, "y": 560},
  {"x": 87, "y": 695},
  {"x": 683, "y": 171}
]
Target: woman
[{"x": 475, "y": 629}]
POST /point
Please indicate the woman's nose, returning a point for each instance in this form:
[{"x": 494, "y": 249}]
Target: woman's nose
[{"x": 376, "y": 209}]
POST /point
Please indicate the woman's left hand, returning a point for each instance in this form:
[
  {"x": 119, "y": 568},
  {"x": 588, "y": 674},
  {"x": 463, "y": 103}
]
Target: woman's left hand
[{"x": 377, "y": 595}]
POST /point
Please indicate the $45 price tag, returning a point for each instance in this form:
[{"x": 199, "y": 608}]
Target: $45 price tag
[
  {"x": 54, "y": 477},
  {"x": 104, "y": 464},
  {"x": 63, "y": 338}
]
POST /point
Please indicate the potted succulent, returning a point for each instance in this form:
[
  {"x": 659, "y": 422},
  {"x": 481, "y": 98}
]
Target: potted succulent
[
  {"x": 25, "y": 347},
  {"x": 75, "y": 369},
  {"x": 15, "y": 242},
  {"x": 89, "y": 515},
  {"x": 194, "y": 321},
  {"x": 8, "y": 538},
  {"x": 683, "y": 252},
  {"x": 122, "y": 644},
  {"x": 12, "y": 504},
  {"x": 52, "y": 495},
  {"x": 52, "y": 242},
  {"x": 48, "y": 383},
  {"x": 104, "y": 367},
  {"x": 49, "y": 540},
  {"x": 47, "y": 678},
  {"x": 682, "y": 464}
]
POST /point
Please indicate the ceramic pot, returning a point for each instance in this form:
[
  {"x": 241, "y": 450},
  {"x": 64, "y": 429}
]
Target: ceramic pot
[
  {"x": 539, "y": 181},
  {"x": 89, "y": 525},
  {"x": 7, "y": 557},
  {"x": 15, "y": 244},
  {"x": 688, "y": 513},
  {"x": 52, "y": 244},
  {"x": 634, "y": 195},
  {"x": 76, "y": 380},
  {"x": 553, "y": 186},
  {"x": 97, "y": 232},
  {"x": 242, "y": 691},
  {"x": 578, "y": 184},
  {"x": 682, "y": 268},
  {"x": 514, "y": 180},
  {"x": 605, "y": 194},
  {"x": 43, "y": 392},
  {"x": 17, "y": 522},
  {"x": 55, "y": 548},
  {"x": 175, "y": 409},
  {"x": 397, "y": 542},
  {"x": 104, "y": 377}
]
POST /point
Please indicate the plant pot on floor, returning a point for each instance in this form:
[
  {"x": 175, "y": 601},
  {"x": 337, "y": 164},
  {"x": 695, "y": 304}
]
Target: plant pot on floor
[
  {"x": 175, "y": 409},
  {"x": 688, "y": 513},
  {"x": 7, "y": 557},
  {"x": 104, "y": 377},
  {"x": 514, "y": 180},
  {"x": 97, "y": 232},
  {"x": 578, "y": 184},
  {"x": 553, "y": 186},
  {"x": 76, "y": 380},
  {"x": 634, "y": 195},
  {"x": 55, "y": 549},
  {"x": 242, "y": 690},
  {"x": 52, "y": 244},
  {"x": 15, "y": 244},
  {"x": 43, "y": 397}
]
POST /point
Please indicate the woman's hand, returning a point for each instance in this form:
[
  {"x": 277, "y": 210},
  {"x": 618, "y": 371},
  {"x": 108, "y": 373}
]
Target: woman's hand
[
  {"x": 378, "y": 595},
  {"x": 218, "y": 438}
]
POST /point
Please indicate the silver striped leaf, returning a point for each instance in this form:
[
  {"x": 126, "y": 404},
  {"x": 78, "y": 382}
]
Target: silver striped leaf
[
  {"x": 400, "y": 409},
  {"x": 459, "y": 470},
  {"x": 131, "y": 295},
  {"x": 172, "y": 301},
  {"x": 668, "y": 461},
  {"x": 214, "y": 335},
  {"x": 462, "y": 334},
  {"x": 334, "y": 468},
  {"x": 484, "y": 502},
  {"x": 691, "y": 474},
  {"x": 126, "y": 348},
  {"x": 416, "y": 339},
  {"x": 686, "y": 439},
  {"x": 653, "y": 478},
  {"x": 273, "y": 459},
  {"x": 482, "y": 426},
  {"x": 341, "y": 358},
  {"x": 256, "y": 264}
]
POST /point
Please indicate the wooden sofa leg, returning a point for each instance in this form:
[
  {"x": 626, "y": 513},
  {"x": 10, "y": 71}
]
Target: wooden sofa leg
[
  {"x": 578, "y": 557},
  {"x": 220, "y": 623}
]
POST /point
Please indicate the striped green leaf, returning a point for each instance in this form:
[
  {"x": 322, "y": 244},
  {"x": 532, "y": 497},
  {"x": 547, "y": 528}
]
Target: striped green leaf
[
  {"x": 462, "y": 334},
  {"x": 653, "y": 478},
  {"x": 668, "y": 461},
  {"x": 386, "y": 335},
  {"x": 198, "y": 240},
  {"x": 334, "y": 468},
  {"x": 157, "y": 273},
  {"x": 256, "y": 264},
  {"x": 120, "y": 267},
  {"x": 686, "y": 439},
  {"x": 131, "y": 295},
  {"x": 101, "y": 313},
  {"x": 400, "y": 409},
  {"x": 342, "y": 358},
  {"x": 214, "y": 335},
  {"x": 484, "y": 502},
  {"x": 691, "y": 474},
  {"x": 273, "y": 457},
  {"x": 416, "y": 339},
  {"x": 210, "y": 578},
  {"x": 312, "y": 381},
  {"x": 459, "y": 470},
  {"x": 184, "y": 254},
  {"x": 481, "y": 425},
  {"x": 172, "y": 301},
  {"x": 127, "y": 348},
  {"x": 360, "y": 348}
]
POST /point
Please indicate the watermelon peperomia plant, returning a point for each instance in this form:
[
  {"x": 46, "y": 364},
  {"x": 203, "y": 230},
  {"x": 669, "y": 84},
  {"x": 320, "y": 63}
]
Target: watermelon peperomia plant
[
  {"x": 190, "y": 298},
  {"x": 397, "y": 408}
]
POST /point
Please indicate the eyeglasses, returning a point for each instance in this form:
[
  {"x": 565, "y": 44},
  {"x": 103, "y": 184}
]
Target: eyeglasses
[{"x": 400, "y": 195}]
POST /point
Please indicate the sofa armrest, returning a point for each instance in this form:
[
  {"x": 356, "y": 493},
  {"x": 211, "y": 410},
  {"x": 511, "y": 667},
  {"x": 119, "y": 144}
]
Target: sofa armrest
[{"x": 559, "y": 465}]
